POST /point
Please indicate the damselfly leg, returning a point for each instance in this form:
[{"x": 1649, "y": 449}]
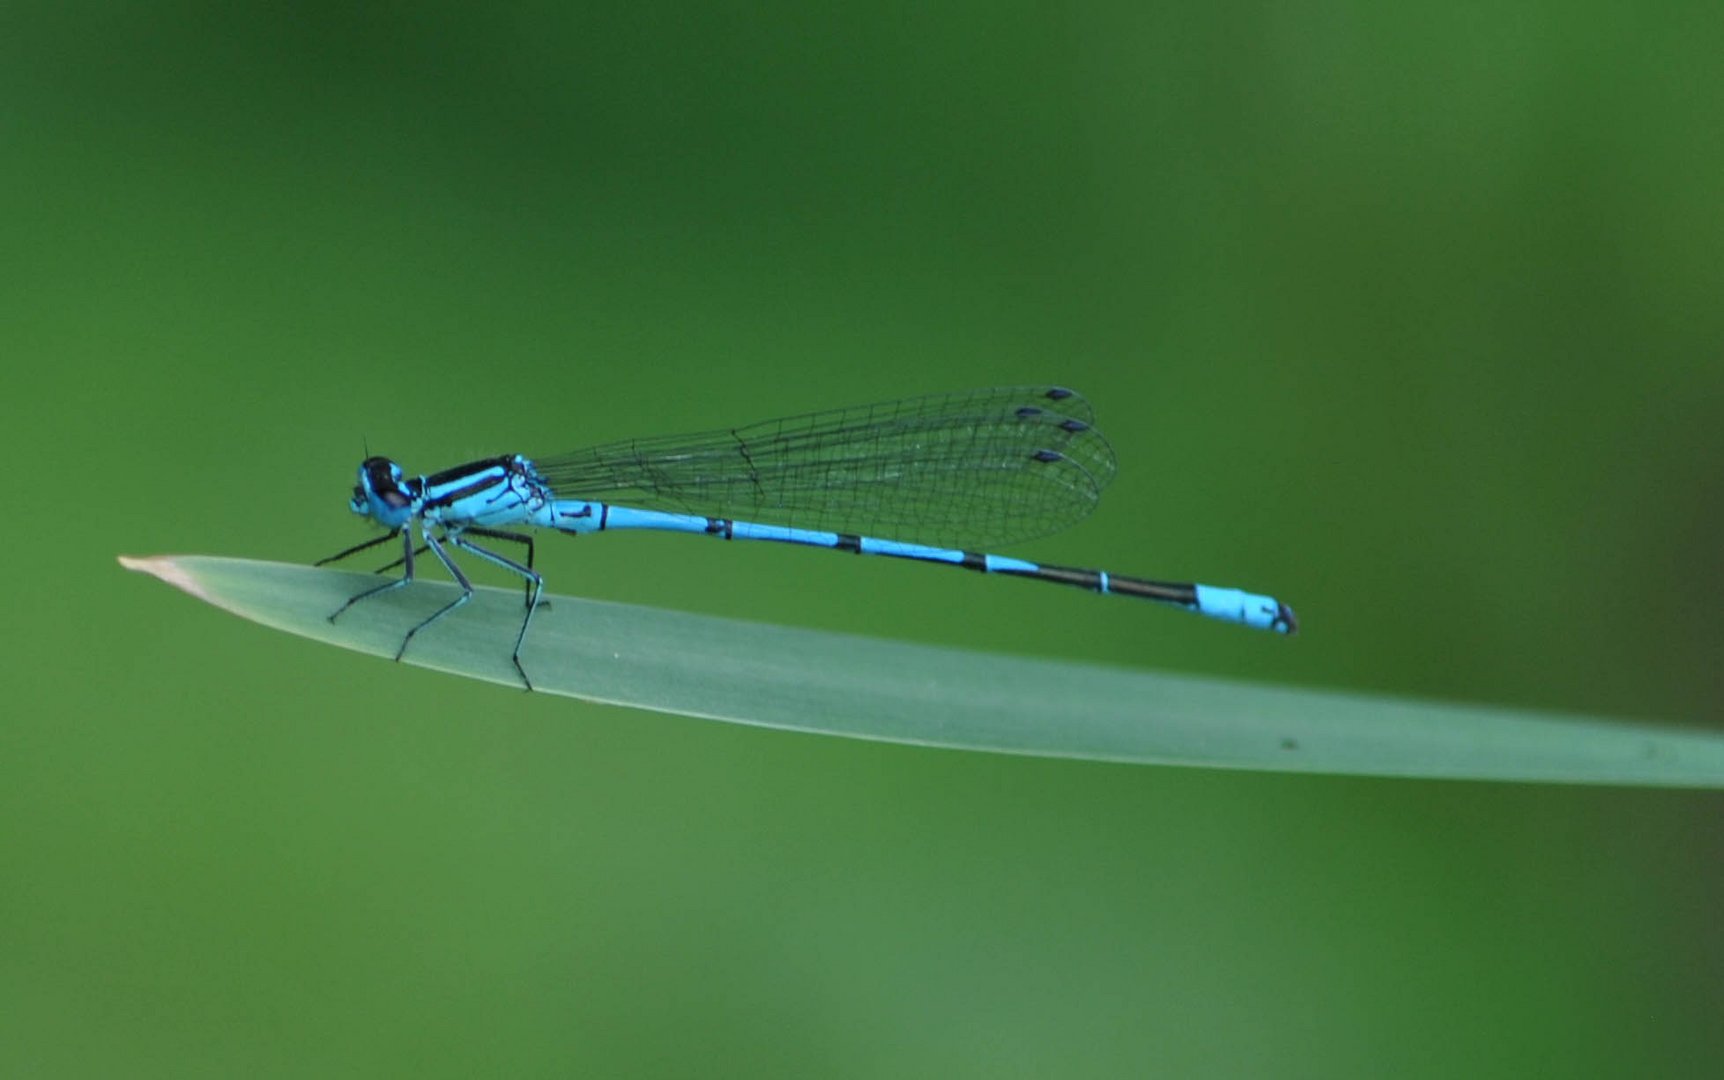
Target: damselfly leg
[
  {"x": 495, "y": 534},
  {"x": 366, "y": 546},
  {"x": 454, "y": 572},
  {"x": 406, "y": 561},
  {"x": 533, "y": 583}
]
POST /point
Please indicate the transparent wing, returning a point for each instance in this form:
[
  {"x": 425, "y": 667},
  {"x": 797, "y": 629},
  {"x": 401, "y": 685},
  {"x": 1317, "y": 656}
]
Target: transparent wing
[{"x": 982, "y": 468}]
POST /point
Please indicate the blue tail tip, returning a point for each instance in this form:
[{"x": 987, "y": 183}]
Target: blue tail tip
[{"x": 1285, "y": 621}]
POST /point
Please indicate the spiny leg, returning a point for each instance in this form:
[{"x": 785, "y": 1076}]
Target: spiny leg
[
  {"x": 495, "y": 534},
  {"x": 406, "y": 576},
  {"x": 535, "y": 584},
  {"x": 518, "y": 538},
  {"x": 367, "y": 546},
  {"x": 454, "y": 572},
  {"x": 388, "y": 566}
]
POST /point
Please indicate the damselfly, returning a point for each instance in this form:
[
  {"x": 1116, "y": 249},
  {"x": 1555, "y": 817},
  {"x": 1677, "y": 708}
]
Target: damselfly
[{"x": 928, "y": 478}]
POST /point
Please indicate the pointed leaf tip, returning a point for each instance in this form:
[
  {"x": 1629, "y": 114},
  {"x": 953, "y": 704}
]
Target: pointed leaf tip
[{"x": 168, "y": 570}]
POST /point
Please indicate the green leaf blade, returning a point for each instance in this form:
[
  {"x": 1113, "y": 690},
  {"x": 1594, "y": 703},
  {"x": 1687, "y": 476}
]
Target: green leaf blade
[{"x": 837, "y": 684}]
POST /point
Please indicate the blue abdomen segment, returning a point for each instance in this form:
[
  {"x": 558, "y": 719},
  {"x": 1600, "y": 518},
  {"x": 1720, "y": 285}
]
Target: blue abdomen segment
[
  {"x": 1236, "y": 605},
  {"x": 1230, "y": 605}
]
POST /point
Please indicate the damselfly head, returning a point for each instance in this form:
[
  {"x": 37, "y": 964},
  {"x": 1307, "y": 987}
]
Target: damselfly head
[{"x": 380, "y": 493}]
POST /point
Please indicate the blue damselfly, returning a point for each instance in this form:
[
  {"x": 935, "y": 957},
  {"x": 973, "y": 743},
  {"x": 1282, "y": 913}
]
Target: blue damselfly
[{"x": 929, "y": 478}]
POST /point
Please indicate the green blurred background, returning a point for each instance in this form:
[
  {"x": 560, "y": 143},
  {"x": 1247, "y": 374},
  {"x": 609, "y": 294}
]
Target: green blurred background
[{"x": 1408, "y": 315}]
